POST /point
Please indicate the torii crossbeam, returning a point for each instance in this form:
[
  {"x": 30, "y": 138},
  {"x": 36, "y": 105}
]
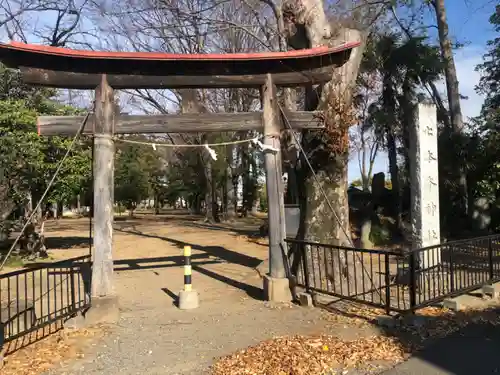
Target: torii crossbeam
[{"x": 105, "y": 71}]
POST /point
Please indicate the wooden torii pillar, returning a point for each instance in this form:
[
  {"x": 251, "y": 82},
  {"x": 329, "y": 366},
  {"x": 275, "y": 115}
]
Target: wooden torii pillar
[
  {"x": 104, "y": 152},
  {"x": 48, "y": 66},
  {"x": 276, "y": 283},
  {"x": 104, "y": 300}
]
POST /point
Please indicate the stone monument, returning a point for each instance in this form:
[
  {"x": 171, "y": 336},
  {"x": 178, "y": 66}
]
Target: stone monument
[{"x": 425, "y": 221}]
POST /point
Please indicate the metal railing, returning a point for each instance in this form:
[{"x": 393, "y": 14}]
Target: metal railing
[
  {"x": 33, "y": 298},
  {"x": 395, "y": 281},
  {"x": 454, "y": 268}
]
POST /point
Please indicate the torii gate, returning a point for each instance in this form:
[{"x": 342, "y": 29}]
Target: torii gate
[{"x": 106, "y": 71}]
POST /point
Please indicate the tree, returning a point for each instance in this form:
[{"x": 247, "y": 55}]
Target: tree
[
  {"x": 136, "y": 171},
  {"x": 54, "y": 22},
  {"x": 455, "y": 111},
  {"x": 28, "y": 162},
  {"x": 20, "y": 154},
  {"x": 307, "y": 25},
  {"x": 57, "y": 23},
  {"x": 184, "y": 181},
  {"x": 449, "y": 65},
  {"x": 194, "y": 26},
  {"x": 489, "y": 85},
  {"x": 405, "y": 66},
  {"x": 485, "y": 153},
  {"x": 365, "y": 137}
]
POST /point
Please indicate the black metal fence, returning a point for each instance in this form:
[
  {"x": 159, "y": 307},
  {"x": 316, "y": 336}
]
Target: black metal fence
[
  {"x": 33, "y": 298},
  {"x": 454, "y": 268},
  {"x": 392, "y": 280}
]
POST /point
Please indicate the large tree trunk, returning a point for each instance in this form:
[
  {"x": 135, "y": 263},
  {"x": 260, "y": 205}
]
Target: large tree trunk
[
  {"x": 6, "y": 204},
  {"x": 449, "y": 67},
  {"x": 307, "y": 26},
  {"x": 78, "y": 204},
  {"x": 249, "y": 183},
  {"x": 292, "y": 186},
  {"x": 442, "y": 112},
  {"x": 230, "y": 195},
  {"x": 389, "y": 102},
  {"x": 453, "y": 92},
  {"x": 244, "y": 184},
  {"x": 407, "y": 121},
  {"x": 6, "y": 207},
  {"x": 194, "y": 205},
  {"x": 235, "y": 196},
  {"x": 229, "y": 198},
  {"x": 209, "y": 191},
  {"x": 289, "y": 150},
  {"x": 394, "y": 171}
]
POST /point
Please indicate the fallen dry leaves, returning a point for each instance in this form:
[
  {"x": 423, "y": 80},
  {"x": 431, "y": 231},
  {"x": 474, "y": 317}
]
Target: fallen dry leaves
[
  {"x": 435, "y": 322},
  {"x": 302, "y": 355},
  {"x": 430, "y": 321},
  {"x": 353, "y": 314},
  {"x": 43, "y": 355}
]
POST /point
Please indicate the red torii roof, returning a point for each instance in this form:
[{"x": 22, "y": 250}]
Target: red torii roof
[
  {"x": 36, "y": 49},
  {"x": 227, "y": 66}
]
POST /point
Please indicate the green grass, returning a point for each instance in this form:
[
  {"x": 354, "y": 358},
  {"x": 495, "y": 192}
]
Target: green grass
[{"x": 14, "y": 261}]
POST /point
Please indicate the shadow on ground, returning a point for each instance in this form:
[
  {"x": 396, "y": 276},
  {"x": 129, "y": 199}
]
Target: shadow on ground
[
  {"x": 473, "y": 349},
  {"x": 67, "y": 242},
  {"x": 175, "y": 297},
  {"x": 248, "y": 230},
  {"x": 24, "y": 341},
  {"x": 213, "y": 254},
  {"x": 442, "y": 342},
  {"x": 137, "y": 264},
  {"x": 218, "y": 252},
  {"x": 57, "y": 242}
]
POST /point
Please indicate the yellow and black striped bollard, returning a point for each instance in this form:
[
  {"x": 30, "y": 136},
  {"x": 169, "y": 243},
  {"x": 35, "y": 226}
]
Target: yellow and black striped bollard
[
  {"x": 188, "y": 287},
  {"x": 188, "y": 298}
]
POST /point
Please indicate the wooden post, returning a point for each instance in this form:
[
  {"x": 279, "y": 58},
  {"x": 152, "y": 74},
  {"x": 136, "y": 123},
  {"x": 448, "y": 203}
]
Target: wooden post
[
  {"x": 274, "y": 179},
  {"x": 276, "y": 284},
  {"x": 102, "y": 269}
]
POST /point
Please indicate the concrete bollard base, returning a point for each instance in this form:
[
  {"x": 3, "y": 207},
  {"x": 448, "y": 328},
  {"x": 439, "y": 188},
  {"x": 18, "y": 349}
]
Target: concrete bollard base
[{"x": 188, "y": 300}]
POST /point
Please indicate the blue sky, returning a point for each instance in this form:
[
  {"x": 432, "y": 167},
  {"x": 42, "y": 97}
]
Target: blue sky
[{"x": 469, "y": 24}]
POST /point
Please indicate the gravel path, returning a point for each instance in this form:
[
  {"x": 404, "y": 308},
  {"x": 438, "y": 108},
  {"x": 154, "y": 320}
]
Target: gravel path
[
  {"x": 158, "y": 338},
  {"x": 154, "y": 337}
]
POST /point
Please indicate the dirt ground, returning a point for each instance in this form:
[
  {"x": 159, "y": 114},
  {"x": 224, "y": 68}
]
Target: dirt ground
[{"x": 153, "y": 336}]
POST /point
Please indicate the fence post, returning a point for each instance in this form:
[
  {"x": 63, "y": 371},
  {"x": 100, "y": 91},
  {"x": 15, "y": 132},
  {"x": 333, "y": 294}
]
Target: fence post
[
  {"x": 413, "y": 281},
  {"x": 387, "y": 285},
  {"x": 490, "y": 260},
  {"x": 452, "y": 271},
  {"x": 303, "y": 250},
  {"x": 72, "y": 286}
]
